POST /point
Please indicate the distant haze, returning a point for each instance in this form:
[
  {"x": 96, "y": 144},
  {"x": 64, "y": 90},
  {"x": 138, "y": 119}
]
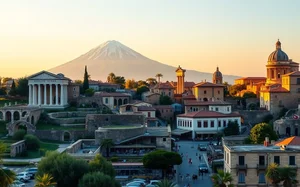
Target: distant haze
[{"x": 112, "y": 56}]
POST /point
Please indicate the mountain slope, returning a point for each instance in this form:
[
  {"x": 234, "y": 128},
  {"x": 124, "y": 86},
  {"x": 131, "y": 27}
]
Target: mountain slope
[{"x": 112, "y": 56}]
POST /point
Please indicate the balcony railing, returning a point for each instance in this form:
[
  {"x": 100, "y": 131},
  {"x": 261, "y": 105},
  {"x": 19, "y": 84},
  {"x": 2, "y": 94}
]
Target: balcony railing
[
  {"x": 260, "y": 167},
  {"x": 241, "y": 168}
]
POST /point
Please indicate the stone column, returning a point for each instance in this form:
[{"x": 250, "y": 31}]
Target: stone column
[
  {"x": 30, "y": 95},
  {"x": 51, "y": 97},
  {"x": 62, "y": 99},
  {"x": 66, "y": 93},
  {"x": 45, "y": 94},
  {"x": 33, "y": 95},
  {"x": 39, "y": 95},
  {"x": 12, "y": 116},
  {"x": 56, "y": 94}
]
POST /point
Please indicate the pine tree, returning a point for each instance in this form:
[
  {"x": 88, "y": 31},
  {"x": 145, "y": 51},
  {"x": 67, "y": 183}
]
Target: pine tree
[
  {"x": 85, "y": 85},
  {"x": 12, "y": 91}
]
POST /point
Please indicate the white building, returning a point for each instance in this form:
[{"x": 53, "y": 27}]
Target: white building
[
  {"x": 205, "y": 123},
  {"x": 217, "y": 106},
  {"x": 48, "y": 90}
]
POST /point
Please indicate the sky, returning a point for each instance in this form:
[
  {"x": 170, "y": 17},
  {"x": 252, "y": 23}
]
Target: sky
[{"x": 236, "y": 35}]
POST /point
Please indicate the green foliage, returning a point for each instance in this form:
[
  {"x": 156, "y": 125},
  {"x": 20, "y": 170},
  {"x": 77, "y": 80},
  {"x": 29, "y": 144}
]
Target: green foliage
[
  {"x": 17, "y": 163},
  {"x": 107, "y": 144},
  {"x": 232, "y": 129},
  {"x": 7, "y": 177},
  {"x": 32, "y": 142},
  {"x": 249, "y": 95},
  {"x": 89, "y": 92},
  {"x": 165, "y": 100},
  {"x": 267, "y": 118},
  {"x": 19, "y": 134},
  {"x": 260, "y": 131},
  {"x": 161, "y": 159},
  {"x": 282, "y": 113},
  {"x": 65, "y": 169},
  {"x": 100, "y": 164},
  {"x": 142, "y": 89},
  {"x": 151, "y": 81},
  {"x": 97, "y": 179},
  {"x": 13, "y": 91},
  {"x": 45, "y": 180},
  {"x": 166, "y": 183},
  {"x": 85, "y": 84},
  {"x": 234, "y": 89},
  {"x": 22, "y": 88},
  {"x": 3, "y": 91},
  {"x": 131, "y": 84},
  {"x": 114, "y": 159},
  {"x": 221, "y": 178}
]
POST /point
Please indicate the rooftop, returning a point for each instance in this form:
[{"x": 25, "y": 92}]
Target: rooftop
[
  {"x": 208, "y": 84},
  {"x": 252, "y": 78},
  {"x": 294, "y": 140},
  {"x": 197, "y": 103},
  {"x": 207, "y": 114},
  {"x": 262, "y": 148}
]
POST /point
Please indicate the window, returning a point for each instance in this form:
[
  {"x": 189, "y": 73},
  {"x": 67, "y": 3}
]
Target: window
[
  {"x": 74, "y": 95},
  {"x": 218, "y": 91},
  {"x": 219, "y": 123},
  {"x": 74, "y": 89},
  {"x": 261, "y": 160},
  {"x": 292, "y": 161},
  {"x": 241, "y": 160},
  {"x": 204, "y": 92},
  {"x": 212, "y": 124},
  {"x": 224, "y": 123},
  {"x": 205, "y": 125},
  {"x": 261, "y": 178},
  {"x": 227, "y": 158},
  {"x": 298, "y": 80},
  {"x": 199, "y": 124},
  {"x": 106, "y": 100},
  {"x": 241, "y": 177},
  {"x": 228, "y": 109},
  {"x": 164, "y": 139},
  {"x": 217, "y": 109},
  {"x": 277, "y": 160}
]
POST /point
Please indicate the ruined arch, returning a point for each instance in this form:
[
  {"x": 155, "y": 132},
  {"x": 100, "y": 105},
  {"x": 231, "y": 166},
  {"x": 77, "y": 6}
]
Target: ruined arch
[
  {"x": 8, "y": 116},
  {"x": 125, "y": 101},
  {"x": 13, "y": 127}
]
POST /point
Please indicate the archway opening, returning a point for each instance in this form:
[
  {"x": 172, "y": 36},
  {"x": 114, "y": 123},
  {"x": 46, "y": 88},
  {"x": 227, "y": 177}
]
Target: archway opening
[
  {"x": 67, "y": 136},
  {"x": 128, "y": 108},
  {"x": 205, "y": 99},
  {"x": 32, "y": 120},
  {"x": 296, "y": 131},
  {"x": 8, "y": 116},
  {"x": 24, "y": 113},
  {"x": 125, "y": 101},
  {"x": 119, "y": 102},
  {"x": 16, "y": 116}
]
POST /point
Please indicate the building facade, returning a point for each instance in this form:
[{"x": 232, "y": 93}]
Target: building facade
[
  {"x": 217, "y": 106},
  {"x": 206, "y": 91}
]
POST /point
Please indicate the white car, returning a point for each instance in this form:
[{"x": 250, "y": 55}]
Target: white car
[
  {"x": 17, "y": 184},
  {"x": 23, "y": 176},
  {"x": 153, "y": 183},
  {"x": 135, "y": 184},
  {"x": 142, "y": 180}
]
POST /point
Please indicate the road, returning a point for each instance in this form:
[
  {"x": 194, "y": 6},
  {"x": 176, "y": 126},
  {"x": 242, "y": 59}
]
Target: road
[
  {"x": 189, "y": 148},
  {"x": 21, "y": 169}
]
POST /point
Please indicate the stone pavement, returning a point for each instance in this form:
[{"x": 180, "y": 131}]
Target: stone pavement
[{"x": 189, "y": 150}]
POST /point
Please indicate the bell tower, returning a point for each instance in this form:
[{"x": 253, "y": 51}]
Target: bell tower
[{"x": 180, "y": 73}]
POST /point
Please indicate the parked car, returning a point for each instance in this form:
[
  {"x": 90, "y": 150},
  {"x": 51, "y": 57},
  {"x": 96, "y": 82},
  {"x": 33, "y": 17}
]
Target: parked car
[
  {"x": 203, "y": 168},
  {"x": 136, "y": 184},
  {"x": 32, "y": 172},
  {"x": 202, "y": 147},
  {"x": 23, "y": 176},
  {"x": 17, "y": 184},
  {"x": 153, "y": 183}
]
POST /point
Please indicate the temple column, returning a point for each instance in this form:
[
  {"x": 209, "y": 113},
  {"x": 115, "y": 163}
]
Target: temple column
[
  {"x": 51, "y": 97},
  {"x": 33, "y": 95},
  {"x": 39, "y": 95},
  {"x": 45, "y": 94},
  {"x": 56, "y": 94},
  {"x": 62, "y": 99},
  {"x": 30, "y": 95}
]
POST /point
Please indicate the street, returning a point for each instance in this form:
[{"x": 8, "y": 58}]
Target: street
[
  {"x": 189, "y": 150},
  {"x": 18, "y": 169}
]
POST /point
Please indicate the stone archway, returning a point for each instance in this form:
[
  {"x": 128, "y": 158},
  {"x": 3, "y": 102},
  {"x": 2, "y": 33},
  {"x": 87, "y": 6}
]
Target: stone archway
[
  {"x": 16, "y": 116},
  {"x": 66, "y": 136},
  {"x": 8, "y": 116},
  {"x": 13, "y": 127},
  {"x": 119, "y": 102},
  {"x": 115, "y": 102},
  {"x": 24, "y": 113},
  {"x": 205, "y": 99},
  {"x": 125, "y": 101}
]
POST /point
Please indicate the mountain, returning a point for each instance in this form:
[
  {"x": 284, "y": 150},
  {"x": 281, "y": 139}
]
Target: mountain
[{"x": 112, "y": 56}]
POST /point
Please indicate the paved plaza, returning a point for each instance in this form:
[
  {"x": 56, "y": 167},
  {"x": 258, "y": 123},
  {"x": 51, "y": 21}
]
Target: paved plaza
[{"x": 189, "y": 150}]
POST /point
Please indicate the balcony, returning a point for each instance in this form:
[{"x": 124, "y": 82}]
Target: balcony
[
  {"x": 261, "y": 167},
  {"x": 241, "y": 168}
]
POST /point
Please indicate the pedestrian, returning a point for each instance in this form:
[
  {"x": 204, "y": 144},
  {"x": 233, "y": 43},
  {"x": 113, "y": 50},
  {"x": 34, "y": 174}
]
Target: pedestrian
[
  {"x": 196, "y": 154},
  {"x": 200, "y": 157}
]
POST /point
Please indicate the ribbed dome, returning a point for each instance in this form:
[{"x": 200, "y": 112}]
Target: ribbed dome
[
  {"x": 217, "y": 73},
  {"x": 278, "y": 55}
]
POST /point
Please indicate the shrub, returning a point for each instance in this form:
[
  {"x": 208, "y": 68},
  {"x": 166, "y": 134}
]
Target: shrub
[
  {"x": 43, "y": 152},
  {"x": 32, "y": 142},
  {"x": 19, "y": 135},
  {"x": 114, "y": 159}
]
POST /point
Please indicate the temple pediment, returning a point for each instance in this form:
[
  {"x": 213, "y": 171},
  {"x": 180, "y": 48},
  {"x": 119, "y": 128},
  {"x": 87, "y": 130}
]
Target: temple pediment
[{"x": 44, "y": 75}]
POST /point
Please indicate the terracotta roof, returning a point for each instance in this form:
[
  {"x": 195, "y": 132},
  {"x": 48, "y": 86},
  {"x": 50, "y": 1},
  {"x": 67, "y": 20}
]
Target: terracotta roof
[
  {"x": 165, "y": 85},
  {"x": 204, "y": 103},
  {"x": 207, "y": 114},
  {"x": 163, "y": 106},
  {"x": 186, "y": 84},
  {"x": 146, "y": 108},
  {"x": 208, "y": 84},
  {"x": 294, "y": 140},
  {"x": 276, "y": 90},
  {"x": 251, "y": 78},
  {"x": 294, "y": 73}
]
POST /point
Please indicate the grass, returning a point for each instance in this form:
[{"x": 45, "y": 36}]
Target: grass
[
  {"x": 41, "y": 152},
  {"x": 6, "y": 100},
  {"x": 44, "y": 126},
  {"x": 48, "y": 146}
]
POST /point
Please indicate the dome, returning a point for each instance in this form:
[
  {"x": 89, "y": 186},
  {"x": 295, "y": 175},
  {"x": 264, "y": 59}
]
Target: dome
[
  {"x": 217, "y": 73},
  {"x": 278, "y": 55}
]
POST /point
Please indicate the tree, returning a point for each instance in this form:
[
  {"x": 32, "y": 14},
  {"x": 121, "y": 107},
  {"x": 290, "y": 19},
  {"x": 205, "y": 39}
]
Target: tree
[
  {"x": 158, "y": 76},
  {"x": 249, "y": 95},
  {"x": 85, "y": 84},
  {"x": 151, "y": 81},
  {"x": 2, "y": 91},
  {"x": 12, "y": 91},
  {"x": 45, "y": 180},
  {"x": 119, "y": 80},
  {"x": 89, "y": 92},
  {"x": 111, "y": 78},
  {"x": 19, "y": 134},
  {"x": 7, "y": 176},
  {"x": 32, "y": 142},
  {"x": 260, "y": 131},
  {"x": 65, "y": 169},
  {"x": 232, "y": 129},
  {"x": 22, "y": 89},
  {"x": 107, "y": 144},
  {"x": 97, "y": 179},
  {"x": 78, "y": 82},
  {"x": 272, "y": 174},
  {"x": 288, "y": 175},
  {"x": 142, "y": 83},
  {"x": 221, "y": 178},
  {"x": 161, "y": 159},
  {"x": 141, "y": 90},
  {"x": 100, "y": 164},
  {"x": 165, "y": 183},
  {"x": 130, "y": 84},
  {"x": 234, "y": 89},
  {"x": 165, "y": 100}
]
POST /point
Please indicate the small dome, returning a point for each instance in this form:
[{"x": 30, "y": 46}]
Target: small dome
[
  {"x": 278, "y": 55},
  {"x": 217, "y": 73}
]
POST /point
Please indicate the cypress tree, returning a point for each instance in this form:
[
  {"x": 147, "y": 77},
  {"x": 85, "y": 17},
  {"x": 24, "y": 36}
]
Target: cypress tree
[
  {"x": 12, "y": 91},
  {"x": 85, "y": 85}
]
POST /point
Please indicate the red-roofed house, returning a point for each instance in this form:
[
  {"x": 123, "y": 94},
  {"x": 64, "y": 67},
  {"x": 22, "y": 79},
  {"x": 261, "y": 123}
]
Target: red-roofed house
[
  {"x": 163, "y": 89},
  {"x": 206, "y": 91}
]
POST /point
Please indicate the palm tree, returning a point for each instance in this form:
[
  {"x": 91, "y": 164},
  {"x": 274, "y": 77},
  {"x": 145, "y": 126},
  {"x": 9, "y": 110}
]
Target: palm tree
[
  {"x": 46, "y": 180},
  {"x": 151, "y": 81},
  {"x": 7, "y": 176},
  {"x": 288, "y": 175},
  {"x": 158, "y": 76},
  {"x": 221, "y": 178},
  {"x": 111, "y": 77},
  {"x": 166, "y": 183},
  {"x": 107, "y": 144},
  {"x": 273, "y": 174}
]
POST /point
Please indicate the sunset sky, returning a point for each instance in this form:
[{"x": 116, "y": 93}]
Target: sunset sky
[{"x": 236, "y": 35}]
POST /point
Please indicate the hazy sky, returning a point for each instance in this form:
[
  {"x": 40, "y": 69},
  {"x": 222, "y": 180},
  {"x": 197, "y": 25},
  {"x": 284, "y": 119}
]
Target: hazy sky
[{"x": 236, "y": 35}]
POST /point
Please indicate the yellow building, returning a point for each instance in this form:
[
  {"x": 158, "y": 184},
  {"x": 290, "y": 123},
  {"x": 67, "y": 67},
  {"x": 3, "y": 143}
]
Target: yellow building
[{"x": 206, "y": 91}]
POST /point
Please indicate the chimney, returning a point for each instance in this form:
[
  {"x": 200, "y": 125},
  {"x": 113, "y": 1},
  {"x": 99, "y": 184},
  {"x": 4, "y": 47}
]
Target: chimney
[{"x": 266, "y": 142}]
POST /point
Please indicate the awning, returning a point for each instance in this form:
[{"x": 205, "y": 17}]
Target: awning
[
  {"x": 206, "y": 132},
  {"x": 180, "y": 131}
]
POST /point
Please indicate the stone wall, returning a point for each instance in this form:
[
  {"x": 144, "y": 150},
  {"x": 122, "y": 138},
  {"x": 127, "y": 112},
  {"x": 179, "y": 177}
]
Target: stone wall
[
  {"x": 59, "y": 134},
  {"x": 163, "y": 143},
  {"x": 118, "y": 134},
  {"x": 79, "y": 144},
  {"x": 89, "y": 100},
  {"x": 94, "y": 121},
  {"x": 17, "y": 148},
  {"x": 69, "y": 117},
  {"x": 253, "y": 116}
]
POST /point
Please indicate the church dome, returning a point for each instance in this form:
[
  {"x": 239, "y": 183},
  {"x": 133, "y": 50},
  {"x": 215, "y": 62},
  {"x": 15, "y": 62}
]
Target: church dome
[
  {"x": 217, "y": 73},
  {"x": 278, "y": 55}
]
